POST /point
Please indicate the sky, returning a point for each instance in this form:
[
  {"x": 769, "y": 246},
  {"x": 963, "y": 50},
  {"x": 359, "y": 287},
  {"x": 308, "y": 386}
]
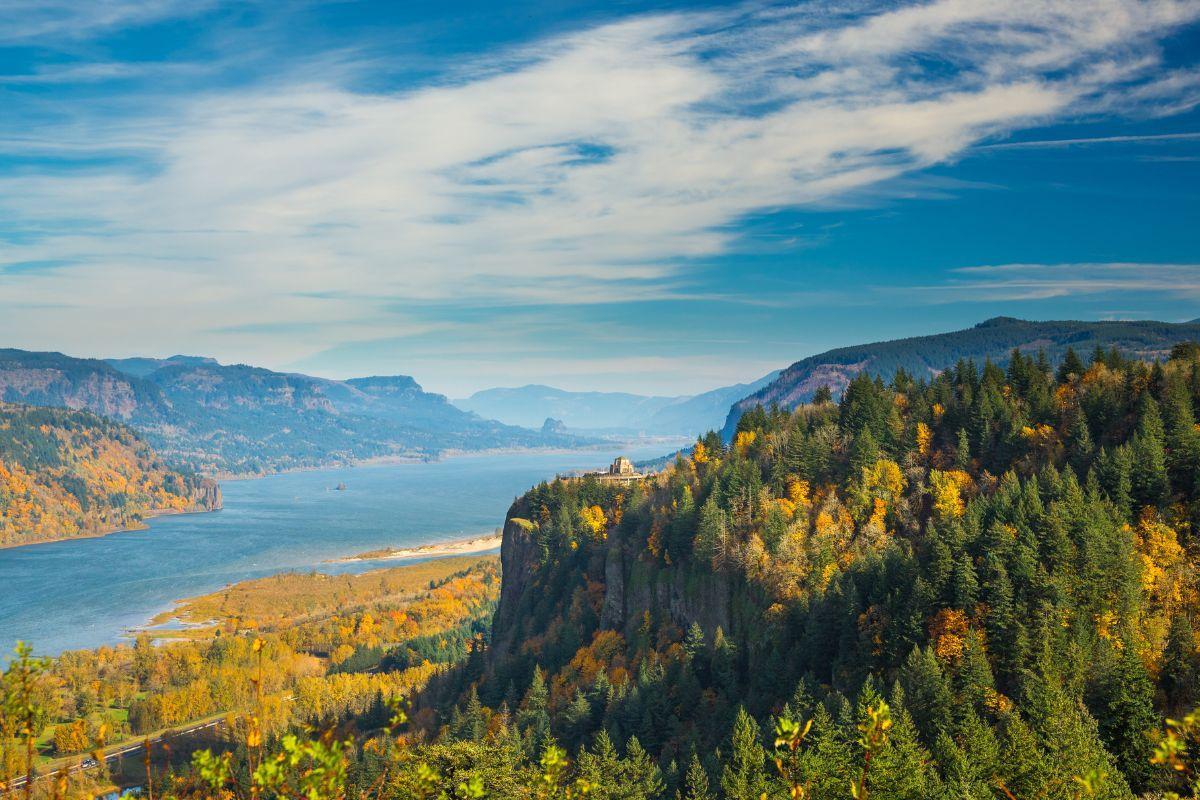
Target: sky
[{"x": 653, "y": 197}]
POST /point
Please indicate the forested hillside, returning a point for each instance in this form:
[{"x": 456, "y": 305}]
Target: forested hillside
[
  {"x": 70, "y": 473},
  {"x": 925, "y": 356},
  {"x": 248, "y": 420},
  {"x": 1005, "y": 556}
]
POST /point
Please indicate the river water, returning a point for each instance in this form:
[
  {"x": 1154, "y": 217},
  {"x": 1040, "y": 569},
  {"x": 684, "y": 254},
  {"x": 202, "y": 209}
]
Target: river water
[{"x": 88, "y": 592}]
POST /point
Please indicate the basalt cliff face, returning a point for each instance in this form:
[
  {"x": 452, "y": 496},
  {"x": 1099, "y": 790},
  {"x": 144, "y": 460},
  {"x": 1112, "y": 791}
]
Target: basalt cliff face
[{"x": 613, "y": 588}]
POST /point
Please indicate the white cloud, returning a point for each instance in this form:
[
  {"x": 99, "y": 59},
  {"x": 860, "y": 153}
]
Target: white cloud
[
  {"x": 1015, "y": 282},
  {"x": 586, "y": 168}
]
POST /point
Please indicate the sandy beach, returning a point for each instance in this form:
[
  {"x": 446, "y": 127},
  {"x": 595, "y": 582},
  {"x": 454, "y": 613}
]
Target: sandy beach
[{"x": 462, "y": 547}]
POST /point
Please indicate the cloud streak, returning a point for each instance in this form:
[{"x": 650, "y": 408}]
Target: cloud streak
[{"x": 1021, "y": 282}]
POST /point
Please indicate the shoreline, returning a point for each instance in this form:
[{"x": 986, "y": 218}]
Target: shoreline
[
  {"x": 445, "y": 455},
  {"x": 143, "y": 525},
  {"x": 457, "y": 547}
]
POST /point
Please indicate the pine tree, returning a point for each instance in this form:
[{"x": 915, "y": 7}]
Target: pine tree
[
  {"x": 639, "y": 777},
  {"x": 927, "y": 693},
  {"x": 964, "y": 586},
  {"x": 1180, "y": 676},
  {"x": 900, "y": 769},
  {"x": 1079, "y": 442},
  {"x": 695, "y": 781},
  {"x": 1070, "y": 739},
  {"x": 962, "y": 454},
  {"x": 577, "y": 719},
  {"x": 973, "y": 681},
  {"x": 533, "y": 720},
  {"x": 864, "y": 451},
  {"x": 744, "y": 775},
  {"x": 474, "y": 725},
  {"x": 712, "y": 534},
  {"x": 1024, "y": 771},
  {"x": 1149, "y": 462},
  {"x": 1071, "y": 367},
  {"x": 1122, "y": 701}
]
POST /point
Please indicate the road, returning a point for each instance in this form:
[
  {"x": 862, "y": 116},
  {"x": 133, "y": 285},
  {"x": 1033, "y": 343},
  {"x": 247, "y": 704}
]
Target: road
[{"x": 72, "y": 769}]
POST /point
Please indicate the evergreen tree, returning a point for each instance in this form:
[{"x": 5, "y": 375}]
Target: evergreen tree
[
  {"x": 1122, "y": 701},
  {"x": 744, "y": 775},
  {"x": 1071, "y": 366},
  {"x": 533, "y": 719},
  {"x": 695, "y": 781},
  {"x": 927, "y": 693},
  {"x": 1150, "y": 486},
  {"x": 962, "y": 453},
  {"x": 1180, "y": 676},
  {"x": 900, "y": 770}
]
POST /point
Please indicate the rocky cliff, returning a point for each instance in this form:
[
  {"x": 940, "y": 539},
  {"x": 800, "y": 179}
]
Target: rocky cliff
[{"x": 612, "y": 587}]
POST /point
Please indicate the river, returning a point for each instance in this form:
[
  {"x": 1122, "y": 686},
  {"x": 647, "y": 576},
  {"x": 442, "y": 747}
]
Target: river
[{"x": 84, "y": 593}]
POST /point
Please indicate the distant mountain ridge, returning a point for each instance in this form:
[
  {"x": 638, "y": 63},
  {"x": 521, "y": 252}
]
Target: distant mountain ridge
[
  {"x": 532, "y": 405},
  {"x": 242, "y": 419},
  {"x": 925, "y": 356}
]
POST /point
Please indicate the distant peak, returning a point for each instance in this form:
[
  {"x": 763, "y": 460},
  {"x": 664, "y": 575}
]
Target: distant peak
[
  {"x": 996, "y": 322},
  {"x": 182, "y": 359},
  {"x": 385, "y": 381}
]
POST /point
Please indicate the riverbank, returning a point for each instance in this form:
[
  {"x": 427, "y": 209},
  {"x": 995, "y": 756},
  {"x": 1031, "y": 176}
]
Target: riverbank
[
  {"x": 288, "y": 598},
  {"x": 460, "y": 547},
  {"x": 140, "y": 525}
]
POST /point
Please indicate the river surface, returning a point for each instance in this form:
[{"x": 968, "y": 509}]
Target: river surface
[{"x": 89, "y": 592}]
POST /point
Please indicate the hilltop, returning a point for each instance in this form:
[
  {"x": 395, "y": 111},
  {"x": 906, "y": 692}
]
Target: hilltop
[
  {"x": 926, "y": 356},
  {"x": 70, "y": 473}
]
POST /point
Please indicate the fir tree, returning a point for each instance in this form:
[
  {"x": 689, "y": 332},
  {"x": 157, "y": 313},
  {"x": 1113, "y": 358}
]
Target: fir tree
[{"x": 744, "y": 775}]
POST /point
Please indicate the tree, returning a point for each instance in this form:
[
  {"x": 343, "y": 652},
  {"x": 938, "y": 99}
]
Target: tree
[
  {"x": 1071, "y": 367},
  {"x": 1150, "y": 486},
  {"x": 712, "y": 534},
  {"x": 1122, "y": 701},
  {"x": 900, "y": 768},
  {"x": 695, "y": 781},
  {"x": 1180, "y": 676},
  {"x": 533, "y": 719},
  {"x": 744, "y": 775}
]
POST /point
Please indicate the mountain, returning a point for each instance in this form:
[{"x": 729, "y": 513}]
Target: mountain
[
  {"x": 531, "y": 405},
  {"x": 246, "y": 420},
  {"x": 67, "y": 473},
  {"x": 926, "y": 356},
  {"x": 52, "y": 379},
  {"x": 705, "y": 411}
]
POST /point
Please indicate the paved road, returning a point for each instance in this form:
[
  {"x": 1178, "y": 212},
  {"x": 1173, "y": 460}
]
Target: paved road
[{"x": 19, "y": 783}]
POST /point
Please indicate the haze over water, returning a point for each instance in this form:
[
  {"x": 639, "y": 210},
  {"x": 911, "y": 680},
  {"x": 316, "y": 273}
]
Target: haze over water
[{"x": 88, "y": 592}]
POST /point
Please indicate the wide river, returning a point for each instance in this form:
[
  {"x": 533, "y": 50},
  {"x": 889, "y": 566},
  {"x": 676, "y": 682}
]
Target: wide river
[{"x": 88, "y": 592}]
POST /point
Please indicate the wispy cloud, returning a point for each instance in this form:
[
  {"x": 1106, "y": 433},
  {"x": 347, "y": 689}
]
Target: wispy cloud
[
  {"x": 592, "y": 167},
  {"x": 63, "y": 22},
  {"x": 1020, "y": 282},
  {"x": 1053, "y": 143}
]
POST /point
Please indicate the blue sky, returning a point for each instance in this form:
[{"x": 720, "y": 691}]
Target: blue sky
[{"x": 655, "y": 197}]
